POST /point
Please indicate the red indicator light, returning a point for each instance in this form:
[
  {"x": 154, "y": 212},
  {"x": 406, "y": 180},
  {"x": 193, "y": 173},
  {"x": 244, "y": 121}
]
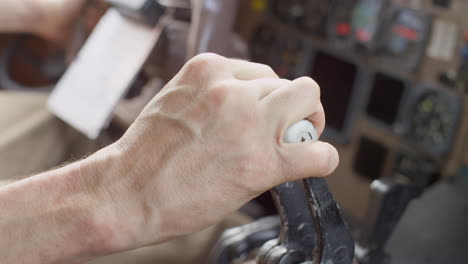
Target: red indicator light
[
  {"x": 405, "y": 32},
  {"x": 362, "y": 35},
  {"x": 343, "y": 29}
]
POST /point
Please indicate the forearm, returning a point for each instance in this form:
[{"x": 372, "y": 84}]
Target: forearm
[
  {"x": 57, "y": 217},
  {"x": 19, "y": 15},
  {"x": 210, "y": 141}
]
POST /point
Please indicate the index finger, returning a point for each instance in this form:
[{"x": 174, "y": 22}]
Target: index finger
[{"x": 246, "y": 70}]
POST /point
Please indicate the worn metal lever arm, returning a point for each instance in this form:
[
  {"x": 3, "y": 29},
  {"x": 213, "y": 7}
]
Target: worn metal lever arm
[
  {"x": 312, "y": 228},
  {"x": 334, "y": 241},
  {"x": 290, "y": 201},
  {"x": 388, "y": 201},
  {"x": 311, "y": 219}
]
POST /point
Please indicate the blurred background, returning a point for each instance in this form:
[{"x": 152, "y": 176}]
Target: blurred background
[{"x": 394, "y": 83}]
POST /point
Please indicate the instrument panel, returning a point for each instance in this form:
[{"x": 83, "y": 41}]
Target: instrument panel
[{"x": 393, "y": 82}]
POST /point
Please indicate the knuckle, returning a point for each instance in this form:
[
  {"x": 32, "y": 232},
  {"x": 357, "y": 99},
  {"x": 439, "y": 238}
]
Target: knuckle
[
  {"x": 267, "y": 70},
  {"x": 309, "y": 85},
  {"x": 219, "y": 93},
  {"x": 203, "y": 61}
]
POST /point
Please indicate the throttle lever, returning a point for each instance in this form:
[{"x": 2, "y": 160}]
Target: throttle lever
[
  {"x": 312, "y": 228},
  {"x": 388, "y": 201},
  {"x": 335, "y": 244}
]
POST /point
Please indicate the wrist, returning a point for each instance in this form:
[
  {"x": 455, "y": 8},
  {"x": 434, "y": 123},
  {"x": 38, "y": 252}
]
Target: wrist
[
  {"x": 120, "y": 215},
  {"x": 41, "y": 14},
  {"x": 36, "y": 13},
  {"x": 102, "y": 178},
  {"x": 59, "y": 221},
  {"x": 20, "y": 16},
  {"x": 136, "y": 189},
  {"x": 91, "y": 229},
  {"x": 52, "y": 19}
]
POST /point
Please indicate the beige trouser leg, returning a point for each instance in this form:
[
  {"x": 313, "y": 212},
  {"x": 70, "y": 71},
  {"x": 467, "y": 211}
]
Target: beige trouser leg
[{"x": 32, "y": 139}]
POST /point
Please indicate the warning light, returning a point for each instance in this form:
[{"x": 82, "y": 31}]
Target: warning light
[
  {"x": 405, "y": 32},
  {"x": 343, "y": 29},
  {"x": 363, "y": 35},
  {"x": 259, "y": 5}
]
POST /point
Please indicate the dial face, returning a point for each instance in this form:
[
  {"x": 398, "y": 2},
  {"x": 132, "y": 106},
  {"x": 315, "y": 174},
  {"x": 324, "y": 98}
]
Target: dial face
[
  {"x": 419, "y": 169},
  {"x": 432, "y": 120},
  {"x": 365, "y": 20},
  {"x": 405, "y": 36}
]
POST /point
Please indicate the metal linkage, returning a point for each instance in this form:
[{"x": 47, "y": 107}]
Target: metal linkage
[
  {"x": 388, "y": 201},
  {"x": 312, "y": 228}
]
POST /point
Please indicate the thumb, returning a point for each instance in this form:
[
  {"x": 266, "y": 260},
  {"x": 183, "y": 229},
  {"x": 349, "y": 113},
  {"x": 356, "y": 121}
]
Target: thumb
[{"x": 309, "y": 159}]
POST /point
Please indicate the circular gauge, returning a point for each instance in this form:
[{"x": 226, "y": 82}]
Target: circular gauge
[
  {"x": 260, "y": 47},
  {"x": 366, "y": 19},
  {"x": 406, "y": 33},
  {"x": 419, "y": 169},
  {"x": 433, "y": 119}
]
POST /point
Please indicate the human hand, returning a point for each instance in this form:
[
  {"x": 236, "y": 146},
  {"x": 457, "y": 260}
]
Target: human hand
[
  {"x": 55, "y": 17},
  {"x": 209, "y": 142}
]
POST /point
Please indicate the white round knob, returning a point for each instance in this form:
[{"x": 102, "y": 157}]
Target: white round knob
[{"x": 301, "y": 131}]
